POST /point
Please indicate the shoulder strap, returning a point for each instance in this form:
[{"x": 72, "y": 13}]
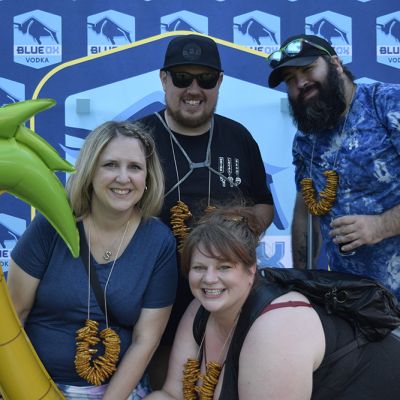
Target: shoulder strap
[
  {"x": 262, "y": 294},
  {"x": 342, "y": 351},
  {"x": 199, "y": 324},
  {"x": 94, "y": 281}
]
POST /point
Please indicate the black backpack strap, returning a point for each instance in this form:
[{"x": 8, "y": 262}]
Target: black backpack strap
[
  {"x": 94, "y": 281},
  {"x": 261, "y": 295},
  {"x": 199, "y": 324},
  {"x": 339, "y": 353}
]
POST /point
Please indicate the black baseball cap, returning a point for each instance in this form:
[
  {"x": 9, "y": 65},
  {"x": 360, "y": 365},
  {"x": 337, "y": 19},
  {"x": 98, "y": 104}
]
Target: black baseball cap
[
  {"x": 307, "y": 55},
  {"x": 192, "y": 50}
]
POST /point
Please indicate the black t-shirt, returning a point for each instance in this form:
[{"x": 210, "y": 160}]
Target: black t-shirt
[{"x": 234, "y": 154}]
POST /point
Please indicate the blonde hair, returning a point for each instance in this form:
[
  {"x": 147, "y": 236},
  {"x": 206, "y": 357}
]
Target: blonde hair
[{"x": 79, "y": 185}]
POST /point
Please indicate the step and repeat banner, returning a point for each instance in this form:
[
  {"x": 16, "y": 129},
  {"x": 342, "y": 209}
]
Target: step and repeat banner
[{"x": 100, "y": 60}]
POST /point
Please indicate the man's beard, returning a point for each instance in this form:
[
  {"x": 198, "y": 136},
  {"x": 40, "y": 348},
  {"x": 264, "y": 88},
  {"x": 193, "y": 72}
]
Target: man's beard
[
  {"x": 322, "y": 111},
  {"x": 190, "y": 122}
]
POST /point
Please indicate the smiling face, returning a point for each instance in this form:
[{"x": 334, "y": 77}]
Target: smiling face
[
  {"x": 221, "y": 286},
  {"x": 120, "y": 176},
  {"x": 189, "y": 109}
]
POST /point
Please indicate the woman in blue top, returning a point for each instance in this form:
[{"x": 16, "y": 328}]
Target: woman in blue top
[{"x": 116, "y": 192}]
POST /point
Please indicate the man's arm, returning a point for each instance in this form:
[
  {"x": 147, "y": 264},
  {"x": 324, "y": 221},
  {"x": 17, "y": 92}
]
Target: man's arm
[
  {"x": 300, "y": 235},
  {"x": 264, "y": 213}
]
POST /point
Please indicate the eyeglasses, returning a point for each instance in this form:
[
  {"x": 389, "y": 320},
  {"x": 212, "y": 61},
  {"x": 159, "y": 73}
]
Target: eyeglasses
[
  {"x": 292, "y": 49},
  {"x": 206, "y": 80}
]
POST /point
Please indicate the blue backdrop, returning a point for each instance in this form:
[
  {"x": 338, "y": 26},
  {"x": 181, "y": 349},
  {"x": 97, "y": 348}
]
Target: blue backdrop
[{"x": 100, "y": 60}]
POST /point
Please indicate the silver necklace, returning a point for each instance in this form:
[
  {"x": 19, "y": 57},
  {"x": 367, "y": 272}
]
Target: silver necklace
[
  {"x": 111, "y": 270},
  {"x": 107, "y": 251}
]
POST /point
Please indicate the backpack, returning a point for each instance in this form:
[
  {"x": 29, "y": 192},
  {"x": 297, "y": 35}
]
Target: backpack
[
  {"x": 368, "y": 305},
  {"x": 371, "y": 308}
]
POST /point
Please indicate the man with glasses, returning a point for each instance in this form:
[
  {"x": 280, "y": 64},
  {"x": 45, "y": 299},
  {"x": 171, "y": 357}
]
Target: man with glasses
[
  {"x": 208, "y": 160},
  {"x": 347, "y": 160}
]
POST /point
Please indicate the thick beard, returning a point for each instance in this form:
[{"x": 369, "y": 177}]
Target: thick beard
[
  {"x": 324, "y": 110},
  {"x": 190, "y": 122}
]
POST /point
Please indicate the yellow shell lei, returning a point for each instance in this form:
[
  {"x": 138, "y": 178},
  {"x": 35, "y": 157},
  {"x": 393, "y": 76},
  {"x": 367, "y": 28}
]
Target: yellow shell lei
[{"x": 326, "y": 198}]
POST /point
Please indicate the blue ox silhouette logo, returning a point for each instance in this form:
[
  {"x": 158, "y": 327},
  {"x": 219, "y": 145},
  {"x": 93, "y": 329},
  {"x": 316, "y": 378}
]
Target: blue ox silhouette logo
[
  {"x": 6, "y": 98},
  {"x": 36, "y": 29},
  {"x": 178, "y": 24},
  {"x": 392, "y": 28},
  {"x": 110, "y": 30},
  {"x": 256, "y": 30},
  {"x": 327, "y": 30}
]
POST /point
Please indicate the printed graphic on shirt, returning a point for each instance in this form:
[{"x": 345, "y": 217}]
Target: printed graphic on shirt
[
  {"x": 37, "y": 39},
  {"x": 388, "y": 39},
  {"x": 108, "y": 30},
  {"x": 258, "y": 31},
  {"x": 337, "y": 33},
  {"x": 230, "y": 168}
]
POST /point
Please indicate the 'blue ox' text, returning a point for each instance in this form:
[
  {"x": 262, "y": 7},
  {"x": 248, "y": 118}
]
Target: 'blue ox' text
[{"x": 53, "y": 50}]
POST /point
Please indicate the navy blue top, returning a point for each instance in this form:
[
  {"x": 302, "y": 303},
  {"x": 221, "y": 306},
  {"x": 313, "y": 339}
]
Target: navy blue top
[{"x": 144, "y": 276}]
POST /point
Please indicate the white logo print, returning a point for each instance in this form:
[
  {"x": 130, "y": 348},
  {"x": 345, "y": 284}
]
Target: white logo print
[{"x": 231, "y": 170}]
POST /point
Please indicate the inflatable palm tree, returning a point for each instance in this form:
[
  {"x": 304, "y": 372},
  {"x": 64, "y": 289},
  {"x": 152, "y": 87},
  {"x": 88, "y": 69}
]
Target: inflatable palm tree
[{"x": 27, "y": 165}]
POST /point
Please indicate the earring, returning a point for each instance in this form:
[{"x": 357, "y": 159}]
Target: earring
[{"x": 145, "y": 188}]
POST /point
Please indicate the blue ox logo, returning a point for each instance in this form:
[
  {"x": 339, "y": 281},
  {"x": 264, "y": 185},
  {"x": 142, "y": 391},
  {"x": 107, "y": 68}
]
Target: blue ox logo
[
  {"x": 256, "y": 30},
  {"x": 110, "y": 30},
  {"x": 179, "y": 24},
  {"x": 327, "y": 30},
  {"x": 6, "y": 98},
  {"x": 36, "y": 30},
  {"x": 391, "y": 28}
]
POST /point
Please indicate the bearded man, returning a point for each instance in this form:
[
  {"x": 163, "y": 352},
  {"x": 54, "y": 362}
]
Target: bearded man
[
  {"x": 208, "y": 160},
  {"x": 346, "y": 154}
]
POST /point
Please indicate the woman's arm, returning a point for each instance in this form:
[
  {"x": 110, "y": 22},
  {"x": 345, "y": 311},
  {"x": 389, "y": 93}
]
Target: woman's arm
[
  {"x": 22, "y": 288},
  {"x": 280, "y": 353},
  {"x": 145, "y": 339},
  {"x": 184, "y": 347}
]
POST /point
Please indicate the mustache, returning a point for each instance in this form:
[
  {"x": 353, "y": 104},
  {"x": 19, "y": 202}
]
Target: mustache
[{"x": 304, "y": 91}]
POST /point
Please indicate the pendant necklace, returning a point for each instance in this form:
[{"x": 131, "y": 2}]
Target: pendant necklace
[
  {"x": 96, "y": 371},
  {"x": 108, "y": 252},
  {"x": 327, "y": 197}
]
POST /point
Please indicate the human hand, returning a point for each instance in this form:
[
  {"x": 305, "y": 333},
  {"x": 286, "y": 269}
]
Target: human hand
[{"x": 353, "y": 231}]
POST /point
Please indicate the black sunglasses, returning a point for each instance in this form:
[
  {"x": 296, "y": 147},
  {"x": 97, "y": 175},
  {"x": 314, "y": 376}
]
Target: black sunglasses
[
  {"x": 292, "y": 49},
  {"x": 206, "y": 80}
]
